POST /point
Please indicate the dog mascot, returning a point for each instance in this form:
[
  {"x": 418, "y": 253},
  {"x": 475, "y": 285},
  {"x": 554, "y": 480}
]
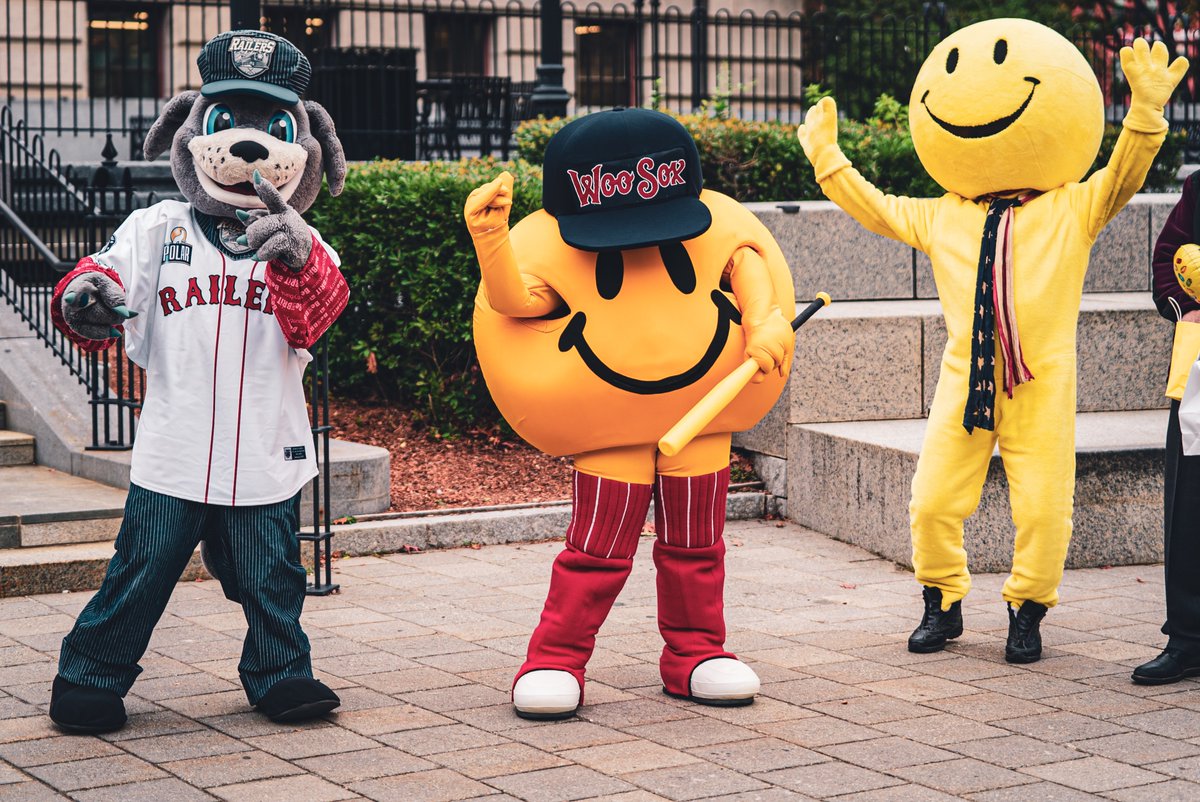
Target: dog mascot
[
  {"x": 219, "y": 298},
  {"x": 1007, "y": 116},
  {"x": 600, "y": 320}
]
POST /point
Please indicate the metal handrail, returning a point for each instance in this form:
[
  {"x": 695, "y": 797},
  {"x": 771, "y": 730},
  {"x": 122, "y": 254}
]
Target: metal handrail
[{"x": 34, "y": 240}]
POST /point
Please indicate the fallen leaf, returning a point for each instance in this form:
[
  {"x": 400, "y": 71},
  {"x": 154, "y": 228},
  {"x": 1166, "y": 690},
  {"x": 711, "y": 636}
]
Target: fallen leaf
[{"x": 849, "y": 585}]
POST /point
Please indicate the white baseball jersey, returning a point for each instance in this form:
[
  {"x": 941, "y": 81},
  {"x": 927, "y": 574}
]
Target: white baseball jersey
[{"x": 224, "y": 418}]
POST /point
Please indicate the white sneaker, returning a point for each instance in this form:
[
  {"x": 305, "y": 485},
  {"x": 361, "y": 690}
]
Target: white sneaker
[
  {"x": 724, "y": 680},
  {"x": 548, "y": 694}
]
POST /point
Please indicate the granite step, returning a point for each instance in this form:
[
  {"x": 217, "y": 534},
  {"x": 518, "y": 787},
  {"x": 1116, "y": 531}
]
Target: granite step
[
  {"x": 880, "y": 360},
  {"x": 15, "y": 448},
  {"x": 40, "y": 506},
  {"x": 852, "y": 481},
  {"x": 71, "y": 567}
]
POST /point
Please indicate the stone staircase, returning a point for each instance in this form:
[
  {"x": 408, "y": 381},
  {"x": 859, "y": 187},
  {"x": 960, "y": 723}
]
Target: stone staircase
[
  {"x": 56, "y": 530},
  {"x": 840, "y": 447}
]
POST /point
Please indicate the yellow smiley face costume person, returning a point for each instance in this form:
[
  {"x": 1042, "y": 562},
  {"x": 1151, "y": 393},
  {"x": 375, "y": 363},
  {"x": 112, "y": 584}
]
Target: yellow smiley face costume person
[
  {"x": 601, "y": 319},
  {"x": 1007, "y": 116}
]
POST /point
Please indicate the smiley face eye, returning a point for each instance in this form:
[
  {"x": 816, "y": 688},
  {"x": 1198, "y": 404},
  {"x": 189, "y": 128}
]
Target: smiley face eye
[
  {"x": 679, "y": 266},
  {"x": 952, "y": 60},
  {"x": 1000, "y": 51},
  {"x": 610, "y": 274}
]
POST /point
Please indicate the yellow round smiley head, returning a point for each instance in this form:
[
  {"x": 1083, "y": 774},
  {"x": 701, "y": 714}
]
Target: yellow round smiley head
[{"x": 1006, "y": 105}]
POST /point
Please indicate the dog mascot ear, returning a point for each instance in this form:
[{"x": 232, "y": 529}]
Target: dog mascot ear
[
  {"x": 174, "y": 114},
  {"x": 334, "y": 158}
]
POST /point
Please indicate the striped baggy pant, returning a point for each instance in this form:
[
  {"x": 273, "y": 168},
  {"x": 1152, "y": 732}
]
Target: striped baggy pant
[{"x": 157, "y": 538}]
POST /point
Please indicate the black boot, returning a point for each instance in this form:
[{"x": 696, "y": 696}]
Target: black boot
[
  {"x": 1171, "y": 666},
  {"x": 86, "y": 711},
  {"x": 297, "y": 699},
  {"x": 937, "y": 626},
  {"x": 1024, "y": 640}
]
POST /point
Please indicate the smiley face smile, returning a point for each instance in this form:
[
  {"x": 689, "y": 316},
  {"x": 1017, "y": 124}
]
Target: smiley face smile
[
  {"x": 727, "y": 315},
  {"x": 984, "y": 129}
]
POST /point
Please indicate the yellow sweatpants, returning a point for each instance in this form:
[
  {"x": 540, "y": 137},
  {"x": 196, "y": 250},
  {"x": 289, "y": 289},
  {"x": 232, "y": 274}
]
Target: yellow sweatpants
[{"x": 1036, "y": 433}]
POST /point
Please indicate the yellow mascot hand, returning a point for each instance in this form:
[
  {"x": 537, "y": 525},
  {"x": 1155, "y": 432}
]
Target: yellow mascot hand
[
  {"x": 770, "y": 343},
  {"x": 487, "y": 207},
  {"x": 820, "y": 128},
  {"x": 1151, "y": 82},
  {"x": 1187, "y": 268}
]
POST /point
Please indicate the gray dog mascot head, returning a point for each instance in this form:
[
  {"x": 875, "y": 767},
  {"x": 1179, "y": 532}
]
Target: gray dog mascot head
[{"x": 245, "y": 127}]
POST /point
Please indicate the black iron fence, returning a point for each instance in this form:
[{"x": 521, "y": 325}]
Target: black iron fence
[
  {"x": 443, "y": 78},
  {"x": 50, "y": 217}
]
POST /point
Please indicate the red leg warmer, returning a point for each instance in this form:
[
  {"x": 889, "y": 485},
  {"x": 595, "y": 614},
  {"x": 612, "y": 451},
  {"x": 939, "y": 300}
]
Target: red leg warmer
[
  {"x": 689, "y": 558},
  {"x": 588, "y": 574}
]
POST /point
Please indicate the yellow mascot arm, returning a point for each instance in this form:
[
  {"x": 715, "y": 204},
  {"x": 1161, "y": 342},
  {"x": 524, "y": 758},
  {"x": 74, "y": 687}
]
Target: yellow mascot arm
[
  {"x": 769, "y": 336},
  {"x": 508, "y": 290},
  {"x": 1151, "y": 82},
  {"x": 905, "y": 219}
]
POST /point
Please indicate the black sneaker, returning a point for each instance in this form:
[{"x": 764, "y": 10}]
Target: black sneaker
[
  {"x": 937, "y": 626},
  {"x": 85, "y": 711},
  {"x": 1170, "y": 666},
  {"x": 1024, "y": 640},
  {"x": 297, "y": 699}
]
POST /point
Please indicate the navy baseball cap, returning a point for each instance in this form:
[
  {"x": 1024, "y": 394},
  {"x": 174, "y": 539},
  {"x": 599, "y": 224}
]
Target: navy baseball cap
[
  {"x": 253, "y": 63},
  {"x": 624, "y": 178}
]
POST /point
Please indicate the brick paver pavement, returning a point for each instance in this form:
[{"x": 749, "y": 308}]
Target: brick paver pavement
[{"x": 422, "y": 649}]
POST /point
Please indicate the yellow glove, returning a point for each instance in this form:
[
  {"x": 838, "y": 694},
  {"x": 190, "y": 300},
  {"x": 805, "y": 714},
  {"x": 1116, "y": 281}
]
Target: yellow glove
[
  {"x": 1151, "y": 83},
  {"x": 1187, "y": 268},
  {"x": 487, "y": 207},
  {"x": 770, "y": 343},
  {"x": 486, "y": 212},
  {"x": 818, "y": 137}
]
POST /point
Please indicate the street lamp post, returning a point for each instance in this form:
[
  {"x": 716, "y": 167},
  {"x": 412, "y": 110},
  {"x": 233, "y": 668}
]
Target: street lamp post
[
  {"x": 244, "y": 14},
  {"x": 549, "y": 98}
]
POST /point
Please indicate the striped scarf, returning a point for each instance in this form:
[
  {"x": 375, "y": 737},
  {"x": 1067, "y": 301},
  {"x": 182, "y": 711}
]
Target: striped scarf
[{"x": 995, "y": 316}]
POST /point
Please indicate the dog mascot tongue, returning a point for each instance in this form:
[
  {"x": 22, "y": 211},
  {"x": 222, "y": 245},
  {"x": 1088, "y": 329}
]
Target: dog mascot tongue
[
  {"x": 1007, "y": 116},
  {"x": 219, "y": 298},
  {"x": 601, "y": 319}
]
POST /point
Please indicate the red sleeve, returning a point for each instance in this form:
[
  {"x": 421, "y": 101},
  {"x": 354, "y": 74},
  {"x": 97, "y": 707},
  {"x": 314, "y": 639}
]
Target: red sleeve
[
  {"x": 307, "y": 303},
  {"x": 86, "y": 265},
  {"x": 1176, "y": 231}
]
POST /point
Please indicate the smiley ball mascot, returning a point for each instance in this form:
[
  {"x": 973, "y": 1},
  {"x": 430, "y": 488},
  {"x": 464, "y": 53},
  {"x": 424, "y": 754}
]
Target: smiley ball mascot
[
  {"x": 601, "y": 319},
  {"x": 1007, "y": 116},
  {"x": 219, "y": 298}
]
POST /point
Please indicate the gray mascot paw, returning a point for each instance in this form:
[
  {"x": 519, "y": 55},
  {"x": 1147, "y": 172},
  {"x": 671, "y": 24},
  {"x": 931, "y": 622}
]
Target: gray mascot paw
[
  {"x": 278, "y": 232},
  {"x": 93, "y": 304}
]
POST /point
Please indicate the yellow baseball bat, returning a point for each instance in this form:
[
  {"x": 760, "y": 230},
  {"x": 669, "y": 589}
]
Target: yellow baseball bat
[{"x": 724, "y": 392}]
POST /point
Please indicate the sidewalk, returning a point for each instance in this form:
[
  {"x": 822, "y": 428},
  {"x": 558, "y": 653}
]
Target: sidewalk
[{"x": 422, "y": 649}]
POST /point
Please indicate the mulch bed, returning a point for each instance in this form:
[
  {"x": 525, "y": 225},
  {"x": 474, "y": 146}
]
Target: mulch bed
[{"x": 475, "y": 470}]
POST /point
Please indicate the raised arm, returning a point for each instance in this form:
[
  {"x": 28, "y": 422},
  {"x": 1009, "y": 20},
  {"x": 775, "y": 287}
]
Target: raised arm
[
  {"x": 509, "y": 291},
  {"x": 1151, "y": 82},
  {"x": 905, "y": 219}
]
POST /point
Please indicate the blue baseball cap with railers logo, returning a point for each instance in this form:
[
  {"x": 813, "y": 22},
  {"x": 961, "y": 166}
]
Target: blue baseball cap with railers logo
[
  {"x": 253, "y": 63},
  {"x": 623, "y": 179}
]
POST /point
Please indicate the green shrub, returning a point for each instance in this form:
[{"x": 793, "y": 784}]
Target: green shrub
[{"x": 407, "y": 256}]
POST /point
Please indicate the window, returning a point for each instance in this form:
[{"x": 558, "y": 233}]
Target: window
[
  {"x": 605, "y": 58},
  {"x": 123, "y": 50},
  {"x": 456, "y": 44},
  {"x": 306, "y": 28}
]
